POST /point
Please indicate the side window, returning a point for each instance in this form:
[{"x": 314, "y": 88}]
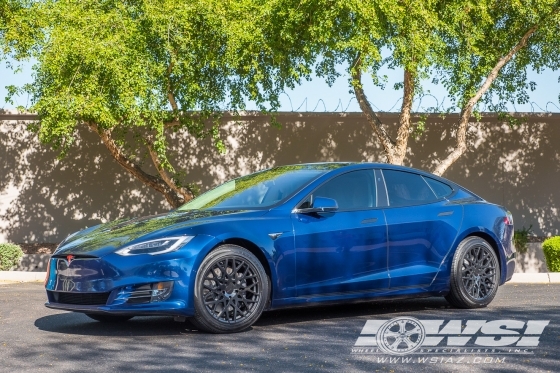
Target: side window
[
  {"x": 405, "y": 188},
  {"x": 352, "y": 191},
  {"x": 440, "y": 189}
]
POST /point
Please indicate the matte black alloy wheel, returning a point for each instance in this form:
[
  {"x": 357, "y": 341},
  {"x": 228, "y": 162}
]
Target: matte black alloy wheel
[
  {"x": 479, "y": 272},
  {"x": 475, "y": 274},
  {"x": 231, "y": 290}
]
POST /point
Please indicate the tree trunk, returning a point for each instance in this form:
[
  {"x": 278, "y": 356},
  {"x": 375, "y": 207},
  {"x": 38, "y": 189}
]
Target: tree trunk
[
  {"x": 404, "y": 119},
  {"x": 466, "y": 111},
  {"x": 155, "y": 182},
  {"x": 395, "y": 151},
  {"x": 371, "y": 116}
]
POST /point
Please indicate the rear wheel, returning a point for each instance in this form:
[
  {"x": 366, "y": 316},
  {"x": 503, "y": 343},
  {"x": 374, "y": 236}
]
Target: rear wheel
[
  {"x": 475, "y": 274},
  {"x": 108, "y": 318},
  {"x": 231, "y": 290}
]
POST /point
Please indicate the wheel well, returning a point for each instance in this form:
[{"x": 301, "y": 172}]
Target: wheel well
[
  {"x": 492, "y": 243},
  {"x": 256, "y": 251}
]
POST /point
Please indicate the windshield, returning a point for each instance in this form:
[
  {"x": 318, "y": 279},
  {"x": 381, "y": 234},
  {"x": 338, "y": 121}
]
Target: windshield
[{"x": 259, "y": 190}]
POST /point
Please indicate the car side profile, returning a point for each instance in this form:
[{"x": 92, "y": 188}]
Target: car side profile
[{"x": 290, "y": 236}]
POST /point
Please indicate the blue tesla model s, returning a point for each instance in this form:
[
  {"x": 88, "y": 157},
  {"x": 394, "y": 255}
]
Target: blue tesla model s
[{"x": 289, "y": 236}]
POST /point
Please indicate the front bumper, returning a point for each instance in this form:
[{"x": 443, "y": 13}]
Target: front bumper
[
  {"x": 110, "y": 284},
  {"x": 171, "y": 308}
]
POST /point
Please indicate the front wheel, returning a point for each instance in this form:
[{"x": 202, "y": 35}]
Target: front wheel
[
  {"x": 231, "y": 290},
  {"x": 475, "y": 274}
]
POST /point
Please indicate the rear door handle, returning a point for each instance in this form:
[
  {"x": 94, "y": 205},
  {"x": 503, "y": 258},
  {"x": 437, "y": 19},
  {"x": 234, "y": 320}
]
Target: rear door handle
[
  {"x": 445, "y": 213},
  {"x": 369, "y": 221}
]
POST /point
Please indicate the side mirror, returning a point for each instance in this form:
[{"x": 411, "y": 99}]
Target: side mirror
[{"x": 320, "y": 204}]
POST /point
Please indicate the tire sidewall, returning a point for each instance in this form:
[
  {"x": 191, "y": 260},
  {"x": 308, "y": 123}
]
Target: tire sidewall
[{"x": 201, "y": 314}]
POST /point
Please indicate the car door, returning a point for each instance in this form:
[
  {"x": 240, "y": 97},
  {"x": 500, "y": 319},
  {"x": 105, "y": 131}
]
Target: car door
[
  {"x": 345, "y": 250},
  {"x": 421, "y": 226}
]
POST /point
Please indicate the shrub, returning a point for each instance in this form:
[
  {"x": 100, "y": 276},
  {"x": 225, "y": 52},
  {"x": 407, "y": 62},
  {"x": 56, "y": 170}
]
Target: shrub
[
  {"x": 521, "y": 239},
  {"x": 551, "y": 248},
  {"x": 10, "y": 255}
]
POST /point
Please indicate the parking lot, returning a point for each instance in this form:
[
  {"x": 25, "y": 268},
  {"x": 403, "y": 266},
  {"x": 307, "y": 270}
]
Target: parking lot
[{"x": 34, "y": 338}]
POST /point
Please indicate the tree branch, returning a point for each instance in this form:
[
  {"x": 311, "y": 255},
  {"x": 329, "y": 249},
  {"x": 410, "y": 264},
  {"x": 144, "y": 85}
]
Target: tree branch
[
  {"x": 133, "y": 168},
  {"x": 404, "y": 119},
  {"x": 466, "y": 112},
  {"x": 185, "y": 193},
  {"x": 170, "y": 95},
  {"x": 372, "y": 118}
]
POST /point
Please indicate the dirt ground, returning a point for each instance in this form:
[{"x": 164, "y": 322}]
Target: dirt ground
[{"x": 38, "y": 248}]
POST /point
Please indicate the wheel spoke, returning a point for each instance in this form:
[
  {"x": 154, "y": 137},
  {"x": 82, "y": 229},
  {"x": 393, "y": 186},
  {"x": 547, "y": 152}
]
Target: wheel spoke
[
  {"x": 408, "y": 342},
  {"x": 395, "y": 344},
  {"x": 478, "y": 272},
  {"x": 416, "y": 330},
  {"x": 389, "y": 333}
]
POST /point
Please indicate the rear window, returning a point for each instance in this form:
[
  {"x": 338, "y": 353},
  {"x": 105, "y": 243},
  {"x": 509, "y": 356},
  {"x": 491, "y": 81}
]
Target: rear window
[
  {"x": 406, "y": 189},
  {"x": 440, "y": 189}
]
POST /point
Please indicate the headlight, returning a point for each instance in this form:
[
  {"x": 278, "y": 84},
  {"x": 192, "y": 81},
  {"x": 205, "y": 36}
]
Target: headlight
[{"x": 155, "y": 247}]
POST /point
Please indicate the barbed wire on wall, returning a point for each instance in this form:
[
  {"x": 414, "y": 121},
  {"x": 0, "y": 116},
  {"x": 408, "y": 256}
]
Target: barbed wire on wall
[
  {"x": 439, "y": 106},
  {"x": 321, "y": 106}
]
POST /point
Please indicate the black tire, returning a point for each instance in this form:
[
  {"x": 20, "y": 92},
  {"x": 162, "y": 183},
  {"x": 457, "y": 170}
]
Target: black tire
[
  {"x": 475, "y": 274},
  {"x": 234, "y": 302},
  {"x": 108, "y": 318}
]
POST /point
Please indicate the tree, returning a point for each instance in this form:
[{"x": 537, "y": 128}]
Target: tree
[
  {"x": 489, "y": 47},
  {"x": 8, "y": 11},
  {"x": 478, "y": 50},
  {"x": 19, "y": 29},
  {"x": 321, "y": 35},
  {"x": 133, "y": 72}
]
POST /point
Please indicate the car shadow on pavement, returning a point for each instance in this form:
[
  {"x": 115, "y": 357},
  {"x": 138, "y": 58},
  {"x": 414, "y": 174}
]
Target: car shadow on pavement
[
  {"x": 350, "y": 310},
  {"x": 79, "y": 324}
]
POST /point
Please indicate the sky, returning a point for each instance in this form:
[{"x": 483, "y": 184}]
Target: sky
[{"x": 317, "y": 96}]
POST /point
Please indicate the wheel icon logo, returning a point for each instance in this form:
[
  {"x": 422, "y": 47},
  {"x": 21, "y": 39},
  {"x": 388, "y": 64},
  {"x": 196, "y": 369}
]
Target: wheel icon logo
[{"x": 401, "y": 336}]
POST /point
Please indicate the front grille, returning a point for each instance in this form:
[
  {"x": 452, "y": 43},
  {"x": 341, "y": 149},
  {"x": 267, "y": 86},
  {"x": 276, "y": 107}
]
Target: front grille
[{"x": 83, "y": 299}]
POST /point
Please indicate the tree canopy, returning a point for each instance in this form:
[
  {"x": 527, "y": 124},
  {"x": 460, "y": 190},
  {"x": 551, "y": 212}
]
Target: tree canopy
[
  {"x": 480, "y": 51},
  {"x": 135, "y": 71}
]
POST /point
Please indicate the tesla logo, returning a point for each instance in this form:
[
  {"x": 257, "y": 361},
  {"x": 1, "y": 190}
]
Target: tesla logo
[{"x": 70, "y": 258}]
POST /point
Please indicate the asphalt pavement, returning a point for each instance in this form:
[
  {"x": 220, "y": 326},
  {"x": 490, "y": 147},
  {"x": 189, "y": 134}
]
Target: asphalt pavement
[{"x": 36, "y": 339}]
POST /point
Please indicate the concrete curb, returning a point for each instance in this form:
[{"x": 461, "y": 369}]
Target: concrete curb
[
  {"x": 22, "y": 276},
  {"x": 518, "y": 278},
  {"x": 535, "y": 278}
]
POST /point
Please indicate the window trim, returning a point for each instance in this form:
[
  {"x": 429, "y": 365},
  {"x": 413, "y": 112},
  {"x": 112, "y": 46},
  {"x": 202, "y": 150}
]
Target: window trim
[
  {"x": 449, "y": 186},
  {"x": 379, "y": 189}
]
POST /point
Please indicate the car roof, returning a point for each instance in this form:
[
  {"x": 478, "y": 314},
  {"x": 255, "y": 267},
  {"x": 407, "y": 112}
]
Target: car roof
[
  {"x": 330, "y": 167},
  {"x": 358, "y": 165}
]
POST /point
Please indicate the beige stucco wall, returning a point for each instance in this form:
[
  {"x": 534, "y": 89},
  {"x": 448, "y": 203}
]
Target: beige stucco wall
[{"x": 43, "y": 199}]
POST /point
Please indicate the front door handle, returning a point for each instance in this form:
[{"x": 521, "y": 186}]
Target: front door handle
[{"x": 369, "y": 221}]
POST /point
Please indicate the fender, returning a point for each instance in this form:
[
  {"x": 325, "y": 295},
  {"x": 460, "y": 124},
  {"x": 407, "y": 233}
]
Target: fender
[{"x": 494, "y": 241}]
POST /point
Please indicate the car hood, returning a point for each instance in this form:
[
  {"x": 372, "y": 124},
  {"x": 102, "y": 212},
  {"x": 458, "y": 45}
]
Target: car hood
[{"x": 106, "y": 238}]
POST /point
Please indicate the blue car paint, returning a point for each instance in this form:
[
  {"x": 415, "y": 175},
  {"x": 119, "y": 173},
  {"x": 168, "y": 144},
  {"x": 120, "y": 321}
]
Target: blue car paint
[
  {"x": 322, "y": 258},
  {"x": 340, "y": 252}
]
